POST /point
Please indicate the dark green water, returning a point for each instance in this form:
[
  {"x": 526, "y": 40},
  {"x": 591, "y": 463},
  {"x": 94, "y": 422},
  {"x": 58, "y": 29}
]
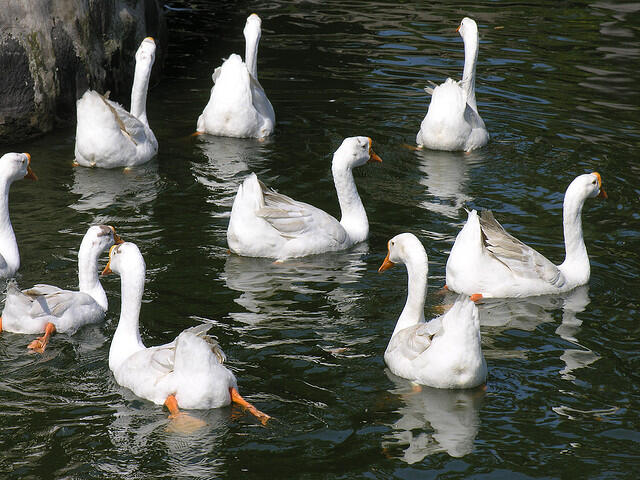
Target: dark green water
[{"x": 558, "y": 89}]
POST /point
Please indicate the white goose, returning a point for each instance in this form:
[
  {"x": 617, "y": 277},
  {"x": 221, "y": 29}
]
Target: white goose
[
  {"x": 265, "y": 223},
  {"x": 445, "y": 352},
  {"x": 238, "y": 106},
  {"x": 186, "y": 373},
  {"x": 107, "y": 136},
  {"x": 49, "y": 309},
  {"x": 452, "y": 121},
  {"x": 486, "y": 260},
  {"x": 13, "y": 166}
]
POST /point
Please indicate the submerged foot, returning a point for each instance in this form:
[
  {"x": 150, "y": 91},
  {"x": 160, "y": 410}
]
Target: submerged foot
[{"x": 40, "y": 343}]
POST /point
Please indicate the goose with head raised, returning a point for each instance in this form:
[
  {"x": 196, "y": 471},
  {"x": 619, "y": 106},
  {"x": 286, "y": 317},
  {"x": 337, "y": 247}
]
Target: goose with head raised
[
  {"x": 238, "y": 105},
  {"x": 487, "y": 260},
  {"x": 265, "y": 223},
  {"x": 186, "y": 373},
  {"x": 13, "y": 166},
  {"x": 445, "y": 352},
  {"x": 107, "y": 136},
  {"x": 47, "y": 309},
  {"x": 452, "y": 121}
]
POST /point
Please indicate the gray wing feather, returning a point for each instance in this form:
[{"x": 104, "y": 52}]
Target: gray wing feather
[
  {"x": 518, "y": 257},
  {"x": 292, "y": 218}
]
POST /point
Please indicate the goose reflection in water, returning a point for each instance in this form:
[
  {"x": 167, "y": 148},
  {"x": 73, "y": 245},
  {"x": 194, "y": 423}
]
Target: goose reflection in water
[
  {"x": 229, "y": 161},
  {"x": 101, "y": 188},
  {"x": 133, "y": 434},
  {"x": 288, "y": 293},
  {"x": 445, "y": 175},
  {"x": 529, "y": 312},
  {"x": 434, "y": 420},
  {"x": 262, "y": 281}
]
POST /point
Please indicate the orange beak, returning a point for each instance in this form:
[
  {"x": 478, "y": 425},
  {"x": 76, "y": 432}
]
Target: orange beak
[
  {"x": 373, "y": 156},
  {"x": 386, "y": 264},
  {"x": 116, "y": 238},
  {"x": 602, "y": 193},
  {"x": 107, "y": 270},
  {"x": 458, "y": 29},
  {"x": 30, "y": 175}
]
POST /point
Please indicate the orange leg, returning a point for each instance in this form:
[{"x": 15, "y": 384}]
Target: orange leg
[
  {"x": 181, "y": 422},
  {"x": 195, "y": 134},
  {"x": 476, "y": 297},
  {"x": 0, "y": 324},
  {"x": 235, "y": 397},
  {"x": 40, "y": 343},
  {"x": 172, "y": 404}
]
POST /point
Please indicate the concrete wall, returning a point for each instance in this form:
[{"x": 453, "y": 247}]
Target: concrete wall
[{"x": 51, "y": 51}]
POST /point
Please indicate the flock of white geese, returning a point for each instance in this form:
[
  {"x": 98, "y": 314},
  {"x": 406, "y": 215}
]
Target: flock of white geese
[{"x": 189, "y": 372}]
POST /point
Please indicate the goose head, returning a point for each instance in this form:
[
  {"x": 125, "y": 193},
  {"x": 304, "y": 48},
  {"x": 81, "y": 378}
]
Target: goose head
[
  {"x": 403, "y": 248},
  {"x": 14, "y": 166},
  {"x": 146, "y": 53},
  {"x": 253, "y": 28},
  {"x": 467, "y": 28},
  {"x": 586, "y": 186},
  {"x": 354, "y": 152},
  {"x": 101, "y": 237},
  {"x": 122, "y": 257}
]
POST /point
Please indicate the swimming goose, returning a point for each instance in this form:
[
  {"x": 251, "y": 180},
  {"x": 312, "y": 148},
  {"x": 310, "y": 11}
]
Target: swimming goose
[
  {"x": 445, "y": 352},
  {"x": 265, "y": 223},
  {"x": 452, "y": 121},
  {"x": 49, "y": 309},
  {"x": 186, "y": 373},
  {"x": 13, "y": 166},
  {"x": 487, "y": 260},
  {"x": 107, "y": 136},
  {"x": 238, "y": 106}
]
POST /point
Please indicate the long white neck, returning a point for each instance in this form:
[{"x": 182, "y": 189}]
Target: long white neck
[
  {"x": 413, "y": 311},
  {"x": 576, "y": 266},
  {"x": 469, "y": 72},
  {"x": 252, "y": 37},
  {"x": 8, "y": 244},
  {"x": 354, "y": 217},
  {"x": 88, "y": 278},
  {"x": 139, "y": 91},
  {"x": 126, "y": 340}
]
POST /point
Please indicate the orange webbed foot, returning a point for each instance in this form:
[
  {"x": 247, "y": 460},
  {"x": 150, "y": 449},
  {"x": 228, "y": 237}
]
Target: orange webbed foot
[
  {"x": 476, "y": 297},
  {"x": 237, "y": 398},
  {"x": 443, "y": 290},
  {"x": 181, "y": 422},
  {"x": 414, "y": 148},
  {"x": 40, "y": 343}
]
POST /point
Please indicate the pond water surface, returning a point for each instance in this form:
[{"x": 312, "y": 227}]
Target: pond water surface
[{"x": 558, "y": 89}]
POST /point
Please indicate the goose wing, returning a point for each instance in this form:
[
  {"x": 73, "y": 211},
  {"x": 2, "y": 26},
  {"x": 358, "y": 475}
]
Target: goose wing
[
  {"x": 163, "y": 357},
  {"x": 521, "y": 259},
  {"x": 293, "y": 219},
  {"x": 413, "y": 341},
  {"x": 51, "y": 300},
  {"x": 130, "y": 126}
]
